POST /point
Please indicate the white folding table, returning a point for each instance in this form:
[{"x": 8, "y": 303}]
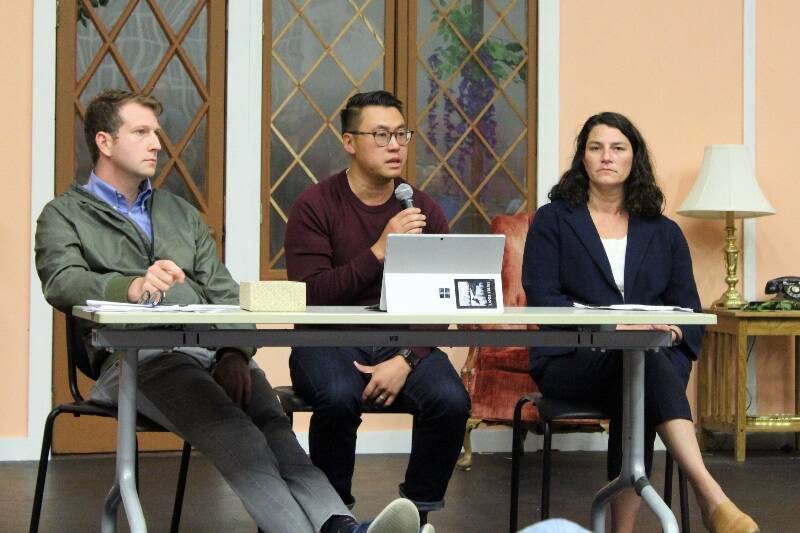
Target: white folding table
[{"x": 129, "y": 332}]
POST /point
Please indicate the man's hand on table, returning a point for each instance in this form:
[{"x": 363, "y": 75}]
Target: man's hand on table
[
  {"x": 159, "y": 277},
  {"x": 386, "y": 380},
  {"x": 232, "y": 372}
]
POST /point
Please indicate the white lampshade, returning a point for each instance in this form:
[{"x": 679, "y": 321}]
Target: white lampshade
[{"x": 726, "y": 184}]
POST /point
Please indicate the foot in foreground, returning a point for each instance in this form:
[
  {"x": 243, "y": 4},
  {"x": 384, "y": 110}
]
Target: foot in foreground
[
  {"x": 727, "y": 518},
  {"x": 400, "y": 516}
]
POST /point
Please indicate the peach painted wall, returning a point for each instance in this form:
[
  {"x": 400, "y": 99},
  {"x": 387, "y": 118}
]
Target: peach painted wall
[
  {"x": 16, "y": 60},
  {"x": 777, "y": 80},
  {"x": 675, "y": 69}
]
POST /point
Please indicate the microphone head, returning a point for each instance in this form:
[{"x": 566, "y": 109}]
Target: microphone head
[{"x": 403, "y": 192}]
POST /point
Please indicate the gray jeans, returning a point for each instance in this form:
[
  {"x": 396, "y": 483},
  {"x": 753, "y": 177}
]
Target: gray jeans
[{"x": 253, "y": 448}]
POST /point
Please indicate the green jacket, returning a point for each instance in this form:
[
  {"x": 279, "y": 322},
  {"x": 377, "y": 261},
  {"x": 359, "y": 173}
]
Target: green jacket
[{"x": 86, "y": 250}]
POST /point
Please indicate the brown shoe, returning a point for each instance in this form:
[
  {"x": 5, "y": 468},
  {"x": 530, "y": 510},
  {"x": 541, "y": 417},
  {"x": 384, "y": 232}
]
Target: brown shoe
[{"x": 727, "y": 518}]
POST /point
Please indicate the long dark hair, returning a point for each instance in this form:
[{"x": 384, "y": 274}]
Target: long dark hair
[{"x": 642, "y": 196}]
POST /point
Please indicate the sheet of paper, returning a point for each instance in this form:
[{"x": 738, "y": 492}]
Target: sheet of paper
[
  {"x": 102, "y": 305},
  {"x": 635, "y": 307}
]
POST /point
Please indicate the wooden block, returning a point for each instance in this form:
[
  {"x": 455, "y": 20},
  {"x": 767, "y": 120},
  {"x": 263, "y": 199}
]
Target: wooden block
[{"x": 272, "y": 295}]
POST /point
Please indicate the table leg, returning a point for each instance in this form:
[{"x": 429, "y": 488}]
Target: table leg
[
  {"x": 797, "y": 388},
  {"x": 125, "y": 482},
  {"x": 633, "y": 472},
  {"x": 740, "y": 437}
]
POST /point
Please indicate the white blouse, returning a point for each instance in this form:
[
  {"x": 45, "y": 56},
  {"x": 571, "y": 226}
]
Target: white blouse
[{"x": 615, "y": 250}]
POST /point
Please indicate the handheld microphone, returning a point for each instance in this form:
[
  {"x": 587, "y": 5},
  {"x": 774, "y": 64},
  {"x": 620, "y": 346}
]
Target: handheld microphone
[{"x": 404, "y": 192}]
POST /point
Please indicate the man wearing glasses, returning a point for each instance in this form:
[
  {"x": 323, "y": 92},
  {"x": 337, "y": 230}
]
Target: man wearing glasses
[
  {"x": 117, "y": 238},
  {"x": 336, "y": 242}
]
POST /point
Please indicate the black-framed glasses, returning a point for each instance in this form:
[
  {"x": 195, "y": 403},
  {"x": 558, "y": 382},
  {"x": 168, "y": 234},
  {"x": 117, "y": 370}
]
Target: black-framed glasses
[{"x": 383, "y": 138}]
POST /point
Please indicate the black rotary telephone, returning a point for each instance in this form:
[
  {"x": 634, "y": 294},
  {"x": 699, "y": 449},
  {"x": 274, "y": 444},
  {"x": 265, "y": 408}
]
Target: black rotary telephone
[{"x": 784, "y": 288}]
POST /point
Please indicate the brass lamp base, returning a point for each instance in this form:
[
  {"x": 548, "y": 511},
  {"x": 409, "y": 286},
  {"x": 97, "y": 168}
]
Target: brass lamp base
[{"x": 731, "y": 298}]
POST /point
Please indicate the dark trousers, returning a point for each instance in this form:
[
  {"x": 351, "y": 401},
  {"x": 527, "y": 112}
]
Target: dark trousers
[
  {"x": 596, "y": 377},
  {"x": 433, "y": 394}
]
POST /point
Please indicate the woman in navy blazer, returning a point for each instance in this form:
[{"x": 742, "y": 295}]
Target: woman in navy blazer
[{"x": 603, "y": 240}]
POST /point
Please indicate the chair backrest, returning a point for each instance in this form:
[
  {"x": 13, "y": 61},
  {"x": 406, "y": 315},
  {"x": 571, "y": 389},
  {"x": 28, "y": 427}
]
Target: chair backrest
[
  {"x": 515, "y": 228},
  {"x": 77, "y": 357}
]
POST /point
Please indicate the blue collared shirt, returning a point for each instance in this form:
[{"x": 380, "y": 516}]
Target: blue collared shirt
[{"x": 137, "y": 212}]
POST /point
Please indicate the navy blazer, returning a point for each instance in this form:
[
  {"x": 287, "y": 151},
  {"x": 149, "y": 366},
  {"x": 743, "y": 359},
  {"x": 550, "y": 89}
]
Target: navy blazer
[{"x": 565, "y": 262}]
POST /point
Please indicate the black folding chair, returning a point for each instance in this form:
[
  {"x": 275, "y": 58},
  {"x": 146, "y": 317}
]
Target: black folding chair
[
  {"x": 553, "y": 410},
  {"x": 78, "y": 359}
]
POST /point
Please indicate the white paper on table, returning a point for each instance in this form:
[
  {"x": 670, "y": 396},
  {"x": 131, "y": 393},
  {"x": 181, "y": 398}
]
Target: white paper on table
[
  {"x": 103, "y": 305},
  {"x": 635, "y": 307}
]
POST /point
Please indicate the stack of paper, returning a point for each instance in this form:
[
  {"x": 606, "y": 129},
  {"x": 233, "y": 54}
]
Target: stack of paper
[
  {"x": 105, "y": 306},
  {"x": 635, "y": 307}
]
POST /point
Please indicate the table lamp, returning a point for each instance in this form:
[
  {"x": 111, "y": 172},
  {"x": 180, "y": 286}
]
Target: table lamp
[{"x": 726, "y": 187}]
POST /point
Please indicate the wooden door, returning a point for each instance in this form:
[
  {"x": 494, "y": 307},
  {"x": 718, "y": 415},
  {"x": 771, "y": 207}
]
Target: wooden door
[
  {"x": 174, "y": 50},
  {"x": 466, "y": 70}
]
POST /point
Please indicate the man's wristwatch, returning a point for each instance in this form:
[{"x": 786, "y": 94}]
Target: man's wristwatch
[{"x": 408, "y": 356}]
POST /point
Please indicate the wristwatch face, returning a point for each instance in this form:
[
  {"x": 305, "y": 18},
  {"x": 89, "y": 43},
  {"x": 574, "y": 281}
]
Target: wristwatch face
[{"x": 409, "y": 357}]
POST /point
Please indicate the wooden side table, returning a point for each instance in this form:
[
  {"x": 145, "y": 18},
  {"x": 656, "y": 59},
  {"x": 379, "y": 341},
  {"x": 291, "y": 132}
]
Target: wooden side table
[{"x": 722, "y": 368}]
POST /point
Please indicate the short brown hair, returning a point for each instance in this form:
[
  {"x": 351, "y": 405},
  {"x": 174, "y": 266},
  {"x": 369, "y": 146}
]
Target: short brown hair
[{"x": 102, "y": 114}]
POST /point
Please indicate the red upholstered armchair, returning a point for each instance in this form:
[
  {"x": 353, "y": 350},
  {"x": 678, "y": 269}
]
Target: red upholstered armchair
[{"x": 496, "y": 377}]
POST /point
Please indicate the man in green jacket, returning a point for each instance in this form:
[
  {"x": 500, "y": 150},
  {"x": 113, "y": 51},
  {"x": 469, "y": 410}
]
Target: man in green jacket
[{"x": 117, "y": 238}]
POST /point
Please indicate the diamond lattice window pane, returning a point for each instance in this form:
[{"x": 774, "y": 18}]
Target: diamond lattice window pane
[
  {"x": 474, "y": 98},
  {"x": 471, "y": 162},
  {"x": 443, "y": 52},
  {"x": 177, "y": 88},
  {"x": 500, "y": 125},
  {"x": 469, "y": 21},
  {"x": 516, "y": 19},
  {"x": 516, "y": 91},
  {"x": 290, "y": 188},
  {"x": 375, "y": 14},
  {"x": 279, "y": 158},
  {"x": 358, "y": 49},
  {"x": 277, "y": 229},
  {"x": 176, "y": 12},
  {"x": 329, "y": 87},
  {"x": 86, "y": 47},
  {"x": 142, "y": 43},
  {"x": 470, "y": 221},
  {"x": 500, "y": 196},
  {"x": 298, "y": 122},
  {"x": 518, "y": 161},
  {"x": 374, "y": 81},
  {"x": 326, "y": 156},
  {"x": 108, "y": 13},
  {"x": 447, "y": 193},
  {"x": 328, "y": 22},
  {"x": 174, "y": 183},
  {"x": 299, "y": 49},
  {"x": 194, "y": 156},
  {"x": 501, "y": 58},
  {"x": 427, "y": 161},
  {"x": 196, "y": 44},
  {"x": 280, "y": 85},
  {"x": 282, "y": 13},
  {"x": 471, "y": 89},
  {"x": 106, "y": 76},
  {"x": 443, "y": 124},
  {"x": 83, "y": 160}
]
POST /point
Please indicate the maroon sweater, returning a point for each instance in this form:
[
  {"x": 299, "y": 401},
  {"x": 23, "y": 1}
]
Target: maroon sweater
[{"x": 328, "y": 239}]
